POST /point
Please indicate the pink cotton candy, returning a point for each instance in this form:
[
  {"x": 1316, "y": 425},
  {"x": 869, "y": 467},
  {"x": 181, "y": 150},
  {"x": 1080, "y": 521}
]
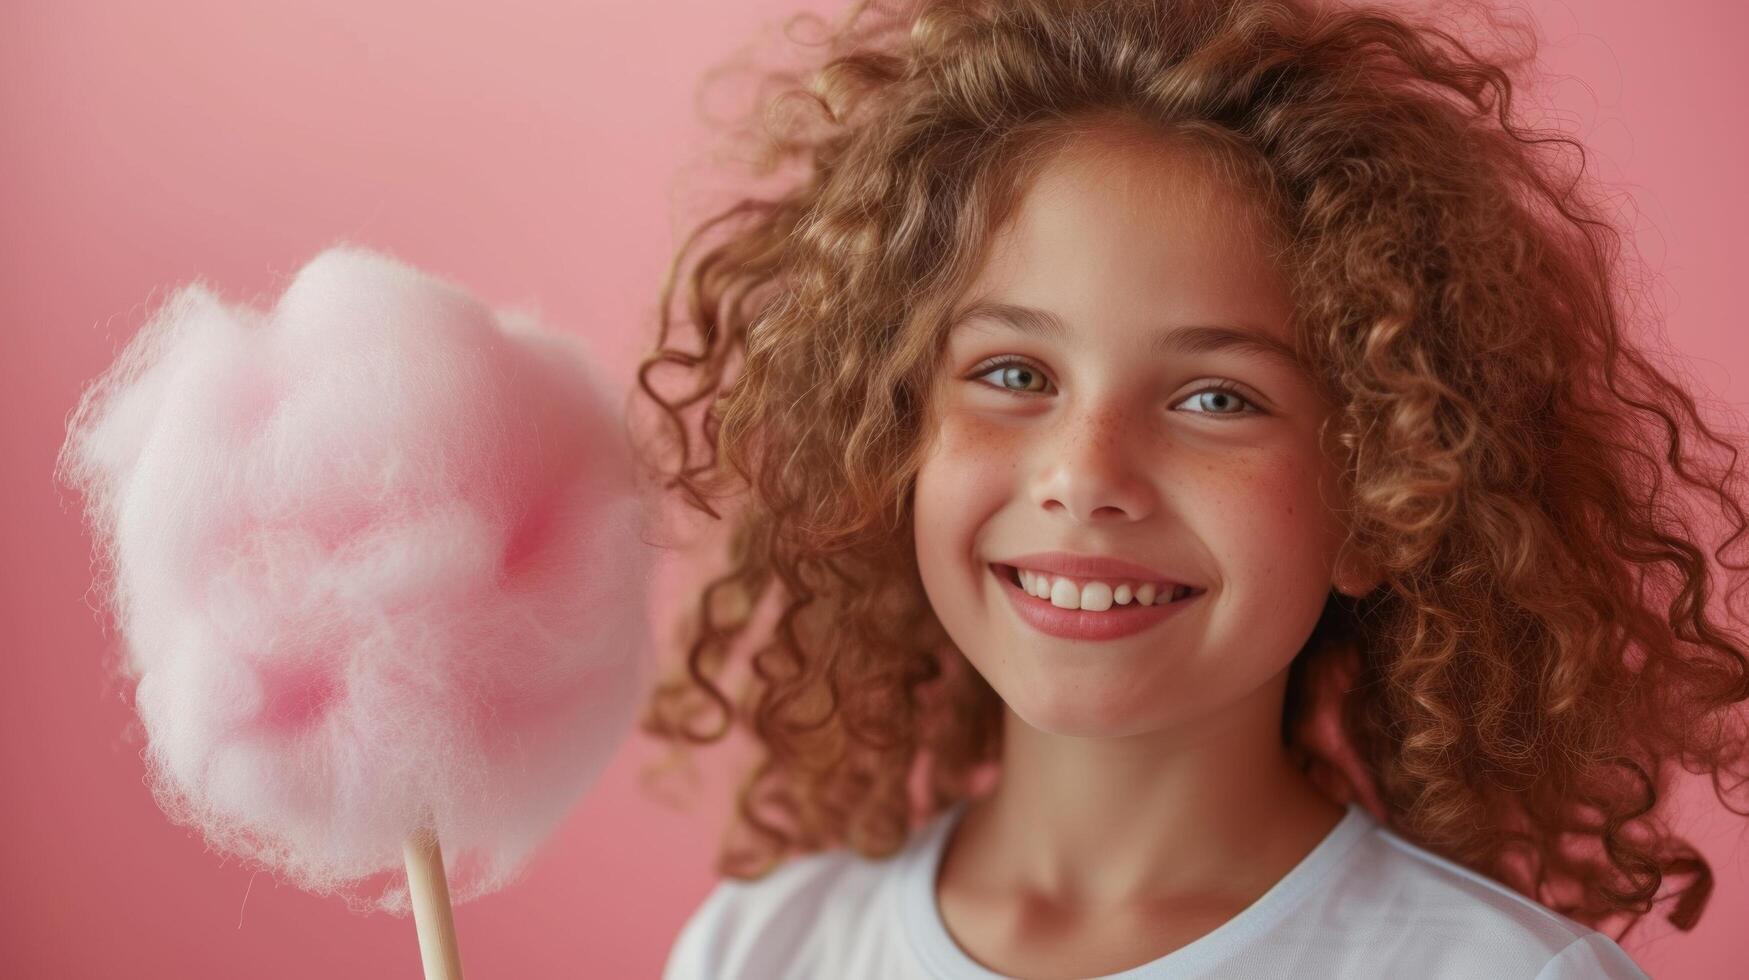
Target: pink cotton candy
[{"x": 377, "y": 563}]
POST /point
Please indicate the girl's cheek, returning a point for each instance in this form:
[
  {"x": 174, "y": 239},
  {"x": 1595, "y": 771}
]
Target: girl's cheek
[
  {"x": 1266, "y": 508},
  {"x": 979, "y": 451}
]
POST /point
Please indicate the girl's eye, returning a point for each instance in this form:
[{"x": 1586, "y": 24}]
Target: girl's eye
[
  {"x": 1011, "y": 372},
  {"x": 1018, "y": 377},
  {"x": 1221, "y": 393}
]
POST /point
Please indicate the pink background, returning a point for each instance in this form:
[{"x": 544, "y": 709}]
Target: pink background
[{"x": 529, "y": 151}]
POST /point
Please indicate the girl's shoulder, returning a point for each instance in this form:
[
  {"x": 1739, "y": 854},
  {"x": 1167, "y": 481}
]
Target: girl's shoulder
[
  {"x": 1434, "y": 903},
  {"x": 829, "y": 907},
  {"x": 1366, "y": 903}
]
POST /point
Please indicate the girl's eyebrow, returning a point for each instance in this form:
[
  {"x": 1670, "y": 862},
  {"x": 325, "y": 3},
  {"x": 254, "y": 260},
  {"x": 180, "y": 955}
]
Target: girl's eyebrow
[{"x": 1186, "y": 339}]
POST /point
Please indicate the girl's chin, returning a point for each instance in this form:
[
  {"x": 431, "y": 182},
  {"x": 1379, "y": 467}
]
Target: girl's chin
[{"x": 1084, "y": 718}]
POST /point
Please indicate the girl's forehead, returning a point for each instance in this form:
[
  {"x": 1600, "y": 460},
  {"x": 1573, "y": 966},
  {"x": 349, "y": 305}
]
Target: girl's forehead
[
  {"x": 1162, "y": 191},
  {"x": 1154, "y": 244}
]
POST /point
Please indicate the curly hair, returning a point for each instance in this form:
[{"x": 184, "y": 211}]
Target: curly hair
[{"x": 1547, "y": 639}]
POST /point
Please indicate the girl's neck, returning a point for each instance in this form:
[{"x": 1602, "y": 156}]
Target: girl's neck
[{"x": 1210, "y": 807}]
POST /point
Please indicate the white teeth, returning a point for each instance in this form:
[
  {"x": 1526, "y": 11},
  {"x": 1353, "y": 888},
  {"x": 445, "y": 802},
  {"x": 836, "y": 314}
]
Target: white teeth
[
  {"x": 1064, "y": 595},
  {"x": 1095, "y": 596}
]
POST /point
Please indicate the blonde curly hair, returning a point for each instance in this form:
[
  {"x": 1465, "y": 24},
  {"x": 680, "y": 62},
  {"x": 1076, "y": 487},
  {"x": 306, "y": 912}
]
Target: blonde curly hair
[{"x": 1548, "y": 640}]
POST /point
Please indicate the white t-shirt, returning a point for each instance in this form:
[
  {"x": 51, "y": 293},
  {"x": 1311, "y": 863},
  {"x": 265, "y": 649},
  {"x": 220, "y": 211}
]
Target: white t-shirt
[{"x": 1364, "y": 903}]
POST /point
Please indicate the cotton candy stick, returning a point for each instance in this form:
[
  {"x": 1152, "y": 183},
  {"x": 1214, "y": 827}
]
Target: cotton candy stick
[
  {"x": 431, "y": 909},
  {"x": 377, "y": 564}
]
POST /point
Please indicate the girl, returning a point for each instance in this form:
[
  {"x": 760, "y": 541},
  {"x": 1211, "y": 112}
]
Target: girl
[{"x": 1215, "y": 520}]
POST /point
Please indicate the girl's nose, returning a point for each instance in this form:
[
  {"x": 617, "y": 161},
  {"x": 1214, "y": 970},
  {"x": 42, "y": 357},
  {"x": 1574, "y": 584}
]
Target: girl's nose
[{"x": 1095, "y": 469}]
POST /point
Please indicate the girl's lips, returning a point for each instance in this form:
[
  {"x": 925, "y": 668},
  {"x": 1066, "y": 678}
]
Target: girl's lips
[{"x": 1082, "y": 624}]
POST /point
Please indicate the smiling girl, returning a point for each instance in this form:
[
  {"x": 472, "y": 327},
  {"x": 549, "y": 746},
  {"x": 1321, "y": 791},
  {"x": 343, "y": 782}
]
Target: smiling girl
[{"x": 1216, "y": 521}]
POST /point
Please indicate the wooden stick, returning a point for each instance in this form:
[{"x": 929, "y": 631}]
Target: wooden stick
[{"x": 429, "y": 890}]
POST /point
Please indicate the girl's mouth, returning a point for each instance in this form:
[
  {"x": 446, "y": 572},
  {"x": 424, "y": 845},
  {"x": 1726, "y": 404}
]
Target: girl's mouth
[{"x": 1117, "y": 620}]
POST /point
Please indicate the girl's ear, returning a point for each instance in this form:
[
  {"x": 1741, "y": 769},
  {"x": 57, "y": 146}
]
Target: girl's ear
[{"x": 1355, "y": 575}]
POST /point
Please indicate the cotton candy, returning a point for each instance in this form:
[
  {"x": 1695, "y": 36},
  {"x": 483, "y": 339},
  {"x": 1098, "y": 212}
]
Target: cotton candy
[{"x": 377, "y": 563}]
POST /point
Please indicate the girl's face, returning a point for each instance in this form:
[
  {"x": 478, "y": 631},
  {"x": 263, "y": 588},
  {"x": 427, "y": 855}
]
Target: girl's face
[{"x": 1128, "y": 432}]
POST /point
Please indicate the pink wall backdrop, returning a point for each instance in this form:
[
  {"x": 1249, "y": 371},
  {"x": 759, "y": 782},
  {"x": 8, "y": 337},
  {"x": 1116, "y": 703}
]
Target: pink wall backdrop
[{"x": 533, "y": 152}]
